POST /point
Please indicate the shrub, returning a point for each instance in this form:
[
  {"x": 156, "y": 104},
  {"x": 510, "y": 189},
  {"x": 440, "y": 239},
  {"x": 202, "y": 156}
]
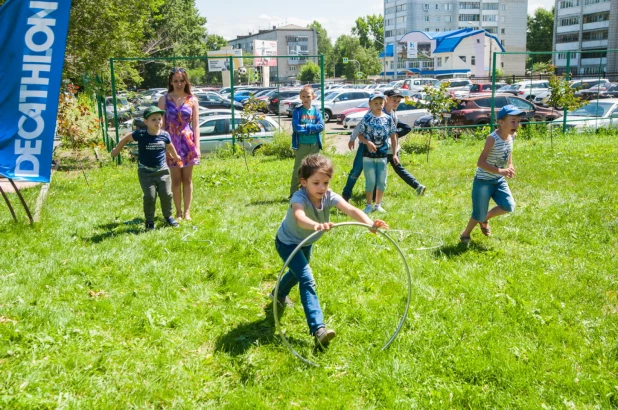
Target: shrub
[
  {"x": 280, "y": 147},
  {"x": 78, "y": 123},
  {"x": 415, "y": 143}
]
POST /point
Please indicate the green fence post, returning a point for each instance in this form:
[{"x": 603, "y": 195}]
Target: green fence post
[
  {"x": 568, "y": 73},
  {"x": 111, "y": 62},
  {"x": 232, "y": 101},
  {"x": 493, "y": 93},
  {"x": 322, "y": 82}
]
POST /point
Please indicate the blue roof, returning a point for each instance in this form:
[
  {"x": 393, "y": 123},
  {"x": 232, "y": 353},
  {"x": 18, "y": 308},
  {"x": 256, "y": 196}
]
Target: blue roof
[{"x": 447, "y": 41}]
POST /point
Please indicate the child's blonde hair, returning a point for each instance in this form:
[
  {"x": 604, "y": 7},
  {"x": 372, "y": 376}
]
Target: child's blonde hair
[
  {"x": 314, "y": 163},
  {"x": 308, "y": 89}
]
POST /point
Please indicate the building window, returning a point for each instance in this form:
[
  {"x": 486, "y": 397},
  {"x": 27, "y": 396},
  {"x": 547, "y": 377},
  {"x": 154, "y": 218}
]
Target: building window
[
  {"x": 426, "y": 7},
  {"x": 502, "y": 31},
  {"x": 469, "y": 17},
  {"x": 492, "y": 30},
  {"x": 401, "y": 19},
  {"x": 427, "y": 30},
  {"x": 437, "y": 6},
  {"x": 563, "y": 56},
  {"x": 565, "y": 4},
  {"x": 448, "y": 6},
  {"x": 567, "y": 38},
  {"x": 438, "y": 19},
  {"x": 463, "y": 58},
  {"x": 448, "y": 19},
  {"x": 503, "y": 7},
  {"x": 388, "y": 33},
  {"x": 594, "y": 54},
  {"x": 595, "y": 35},
  {"x": 490, "y": 6},
  {"x": 596, "y": 17},
  {"x": 502, "y": 42},
  {"x": 468, "y": 5},
  {"x": 292, "y": 68},
  {"x": 402, "y": 7},
  {"x": 439, "y": 62},
  {"x": 587, "y": 2},
  {"x": 570, "y": 21},
  {"x": 426, "y": 18},
  {"x": 473, "y": 60},
  {"x": 490, "y": 17}
]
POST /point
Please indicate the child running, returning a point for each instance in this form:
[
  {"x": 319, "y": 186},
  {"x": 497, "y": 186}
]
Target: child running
[
  {"x": 494, "y": 164},
  {"x": 154, "y": 176},
  {"x": 309, "y": 211}
]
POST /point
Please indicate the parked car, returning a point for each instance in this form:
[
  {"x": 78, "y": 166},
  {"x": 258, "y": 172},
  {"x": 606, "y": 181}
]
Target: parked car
[
  {"x": 216, "y": 132},
  {"x": 278, "y": 103},
  {"x": 336, "y": 102},
  {"x": 123, "y": 109},
  {"x": 476, "y": 89},
  {"x": 364, "y": 107},
  {"x": 454, "y": 84},
  {"x": 603, "y": 90},
  {"x": 592, "y": 116},
  {"x": 542, "y": 98},
  {"x": 528, "y": 89},
  {"x": 477, "y": 110},
  {"x": 405, "y": 113},
  {"x": 213, "y": 100}
]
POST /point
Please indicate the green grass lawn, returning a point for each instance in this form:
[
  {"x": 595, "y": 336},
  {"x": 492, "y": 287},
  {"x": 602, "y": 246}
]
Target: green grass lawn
[{"x": 97, "y": 314}]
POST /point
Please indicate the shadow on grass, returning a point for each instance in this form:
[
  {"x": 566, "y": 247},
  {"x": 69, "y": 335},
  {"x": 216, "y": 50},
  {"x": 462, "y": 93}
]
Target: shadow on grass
[
  {"x": 241, "y": 338},
  {"x": 269, "y": 201},
  {"x": 112, "y": 229},
  {"x": 451, "y": 251}
]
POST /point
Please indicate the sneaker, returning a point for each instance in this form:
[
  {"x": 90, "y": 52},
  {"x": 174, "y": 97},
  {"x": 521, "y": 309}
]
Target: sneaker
[
  {"x": 171, "y": 222},
  {"x": 378, "y": 208},
  {"x": 323, "y": 336},
  {"x": 368, "y": 209},
  {"x": 420, "y": 191},
  {"x": 150, "y": 226}
]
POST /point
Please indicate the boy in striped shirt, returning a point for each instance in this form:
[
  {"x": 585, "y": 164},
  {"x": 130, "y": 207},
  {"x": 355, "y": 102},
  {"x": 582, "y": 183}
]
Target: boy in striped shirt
[{"x": 494, "y": 165}]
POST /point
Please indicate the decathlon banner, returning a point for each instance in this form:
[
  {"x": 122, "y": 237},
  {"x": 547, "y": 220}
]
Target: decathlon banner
[{"x": 32, "y": 41}]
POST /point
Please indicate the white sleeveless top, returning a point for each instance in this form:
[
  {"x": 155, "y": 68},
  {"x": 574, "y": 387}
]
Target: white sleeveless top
[{"x": 498, "y": 157}]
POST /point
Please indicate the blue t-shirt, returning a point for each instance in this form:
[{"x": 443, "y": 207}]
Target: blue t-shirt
[
  {"x": 308, "y": 116},
  {"x": 151, "y": 149},
  {"x": 290, "y": 233},
  {"x": 377, "y": 130}
]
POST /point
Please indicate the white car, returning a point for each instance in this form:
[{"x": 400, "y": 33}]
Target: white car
[
  {"x": 542, "y": 98},
  {"x": 592, "y": 116},
  {"x": 337, "y": 101},
  {"x": 216, "y": 132},
  {"x": 529, "y": 89},
  {"x": 405, "y": 113}
]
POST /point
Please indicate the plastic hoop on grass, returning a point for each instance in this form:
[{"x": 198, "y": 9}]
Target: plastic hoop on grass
[{"x": 298, "y": 248}]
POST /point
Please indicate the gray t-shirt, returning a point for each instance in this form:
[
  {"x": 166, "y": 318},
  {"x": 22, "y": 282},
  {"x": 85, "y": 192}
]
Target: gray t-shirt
[{"x": 290, "y": 233}]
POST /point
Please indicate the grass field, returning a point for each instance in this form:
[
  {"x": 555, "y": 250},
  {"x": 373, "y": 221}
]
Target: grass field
[{"x": 95, "y": 313}]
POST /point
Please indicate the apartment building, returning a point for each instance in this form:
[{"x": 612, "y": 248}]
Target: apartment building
[
  {"x": 291, "y": 40},
  {"x": 504, "y": 19},
  {"x": 583, "y": 27}
]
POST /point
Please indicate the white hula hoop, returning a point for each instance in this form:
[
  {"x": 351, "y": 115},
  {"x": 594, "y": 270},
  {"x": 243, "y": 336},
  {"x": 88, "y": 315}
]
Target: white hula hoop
[{"x": 287, "y": 262}]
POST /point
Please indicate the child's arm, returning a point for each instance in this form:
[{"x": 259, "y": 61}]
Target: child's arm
[
  {"x": 370, "y": 145},
  {"x": 395, "y": 145},
  {"x": 124, "y": 141},
  {"x": 303, "y": 221},
  {"x": 316, "y": 127},
  {"x": 483, "y": 164},
  {"x": 171, "y": 151},
  {"x": 358, "y": 215}
]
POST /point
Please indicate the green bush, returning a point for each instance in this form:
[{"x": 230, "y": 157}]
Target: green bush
[
  {"x": 416, "y": 143},
  {"x": 78, "y": 123},
  {"x": 280, "y": 147}
]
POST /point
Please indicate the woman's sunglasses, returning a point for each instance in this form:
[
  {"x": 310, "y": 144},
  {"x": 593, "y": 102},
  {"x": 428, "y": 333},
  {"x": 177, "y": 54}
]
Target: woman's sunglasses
[{"x": 177, "y": 70}]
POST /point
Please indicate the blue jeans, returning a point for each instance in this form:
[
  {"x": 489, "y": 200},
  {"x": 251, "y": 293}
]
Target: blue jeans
[
  {"x": 300, "y": 273},
  {"x": 496, "y": 189},
  {"x": 375, "y": 174},
  {"x": 357, "y": 170}
]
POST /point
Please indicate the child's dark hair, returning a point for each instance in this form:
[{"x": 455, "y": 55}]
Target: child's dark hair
[{"x": 315, "y": 163}]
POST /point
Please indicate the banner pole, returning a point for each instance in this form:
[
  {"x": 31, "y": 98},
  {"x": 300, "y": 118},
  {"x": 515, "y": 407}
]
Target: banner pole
[
  {"x": 23, "y": 202},
  {"x": 8, "y": 203}
]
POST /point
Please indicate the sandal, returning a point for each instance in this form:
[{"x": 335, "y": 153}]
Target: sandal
[
  {"x": 464, "y": 239},
  {"x": 486, "y": 229}
]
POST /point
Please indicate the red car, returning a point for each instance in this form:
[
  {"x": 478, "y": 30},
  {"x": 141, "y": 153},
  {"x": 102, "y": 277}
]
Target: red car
[
  {"x": 363, "y": 107},
  {"x": 477, "y": 110}
]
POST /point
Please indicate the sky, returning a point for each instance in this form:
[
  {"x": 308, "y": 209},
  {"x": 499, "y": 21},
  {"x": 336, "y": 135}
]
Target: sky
[{"x": 239, "y": 17}]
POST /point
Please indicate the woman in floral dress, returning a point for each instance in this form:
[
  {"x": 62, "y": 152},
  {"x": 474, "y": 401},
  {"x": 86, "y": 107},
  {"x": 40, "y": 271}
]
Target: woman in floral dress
[{"x": 182, "y": 123}]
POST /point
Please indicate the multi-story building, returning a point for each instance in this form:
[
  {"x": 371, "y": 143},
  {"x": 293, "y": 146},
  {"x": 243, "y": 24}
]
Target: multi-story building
[
  {"x": 504, "y": 19},
  {"x": 582, "y": 27},
  {"x": 291, "y": 40}
]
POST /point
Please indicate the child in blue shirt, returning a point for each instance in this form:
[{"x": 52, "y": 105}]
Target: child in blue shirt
[
  {"x": 375, "y": 130},
  {"x": 494, "y": 164},
  {"x": 309, "y": 211},
  {"x": 307, "y": 127},
  {"x": 153, "y": 144}
]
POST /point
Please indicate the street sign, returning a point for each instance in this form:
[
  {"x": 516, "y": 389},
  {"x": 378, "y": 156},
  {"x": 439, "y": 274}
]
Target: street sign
[
  {"x": 359, "y": 74},
  {"x": 345, "y": 60}
]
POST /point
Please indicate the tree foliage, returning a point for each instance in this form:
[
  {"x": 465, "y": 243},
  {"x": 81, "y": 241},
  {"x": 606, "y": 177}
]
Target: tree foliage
[
  {"x": 325, "y": 46},
  {"x": 309, "y": 73},
  {"x": 350, "y": 47},
  {"x": 370, "y": 31},
  {"x": 562, "y": 95},
  {"x": 540, "y": 34}
]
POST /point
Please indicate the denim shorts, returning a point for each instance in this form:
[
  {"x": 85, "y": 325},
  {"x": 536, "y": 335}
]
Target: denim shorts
[{"x": 496, "y": 189}]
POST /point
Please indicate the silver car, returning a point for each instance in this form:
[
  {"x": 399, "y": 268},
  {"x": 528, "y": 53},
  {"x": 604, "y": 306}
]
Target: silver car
[{"x": 216, "y": 133}]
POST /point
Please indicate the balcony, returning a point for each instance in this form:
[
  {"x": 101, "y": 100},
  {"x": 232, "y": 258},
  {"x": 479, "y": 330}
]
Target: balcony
[
  {"x": 594, "y": 61},
  {"x": 599, "y": 44},
  {"x": 594, "y": 26},
  {"x": 567, "y": 29},
  {"x": 568, "y": 46}
]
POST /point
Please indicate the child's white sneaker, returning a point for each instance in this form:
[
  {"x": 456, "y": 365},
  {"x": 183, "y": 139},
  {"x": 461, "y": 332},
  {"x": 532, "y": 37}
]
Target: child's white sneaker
[
  {"x": 378, "y": 208},
  {"x": 368, "y": 209}
]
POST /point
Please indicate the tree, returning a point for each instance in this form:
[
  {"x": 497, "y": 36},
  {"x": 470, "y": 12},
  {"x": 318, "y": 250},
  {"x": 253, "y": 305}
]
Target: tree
[
  {"x": 348, "y": 46},
  {"x": 325, "y": 46},
  {"x": 370, "y": 31},
  {"x": 309, "y": 73},
  {"x": 540, "y": 35},
  {"x": 215, "y": 42}
]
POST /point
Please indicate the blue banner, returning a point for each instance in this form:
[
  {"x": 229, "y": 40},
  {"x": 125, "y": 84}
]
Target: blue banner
[{"x": 32, "y": 42}]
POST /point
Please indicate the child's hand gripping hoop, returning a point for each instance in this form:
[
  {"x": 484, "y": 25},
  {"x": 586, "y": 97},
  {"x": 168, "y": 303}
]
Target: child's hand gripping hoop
[{"x": 300, "y": 245}]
